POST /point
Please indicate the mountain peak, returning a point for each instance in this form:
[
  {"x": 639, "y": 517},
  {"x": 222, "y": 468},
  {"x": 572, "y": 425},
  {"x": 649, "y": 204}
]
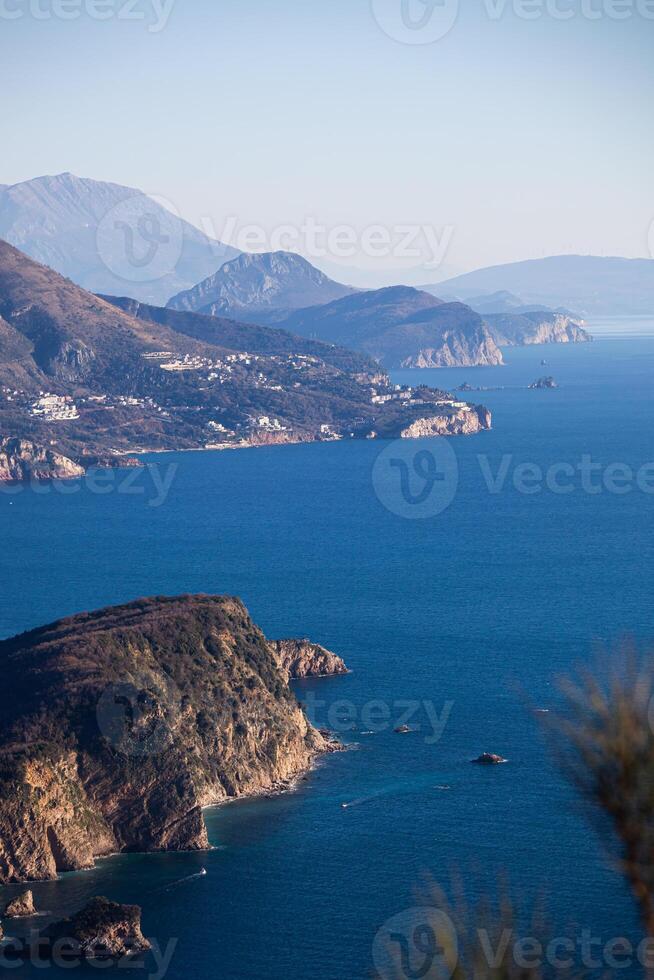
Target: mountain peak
[
  {"x": 256, "y": 285},
  {"x": 89, "y": 231}
]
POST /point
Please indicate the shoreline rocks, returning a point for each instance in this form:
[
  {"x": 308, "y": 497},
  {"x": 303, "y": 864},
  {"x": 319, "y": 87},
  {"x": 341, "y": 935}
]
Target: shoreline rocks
[
  {"x": 102, "y": 930},
  {"x": 20, "y": 907}
]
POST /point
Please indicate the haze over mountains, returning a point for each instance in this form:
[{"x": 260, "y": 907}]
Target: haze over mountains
[
  {"x": 261, "y": 288},
  {"x": 401, "y": 327},
  {"x": 106, "y": 237},
  {"x": 92, "y": 380},
  {"x": 587, "y": 283}
]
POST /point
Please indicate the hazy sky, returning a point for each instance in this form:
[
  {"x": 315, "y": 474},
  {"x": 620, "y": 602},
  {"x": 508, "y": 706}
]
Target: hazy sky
[{"x": 508, "y": 137}]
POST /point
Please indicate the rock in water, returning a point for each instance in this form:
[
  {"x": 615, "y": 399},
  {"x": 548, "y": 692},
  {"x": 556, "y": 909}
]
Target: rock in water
[
  {"x": 544, "y": 383},
  {"x": 21, "y": 906},
  {"x": 124, "y": 723},
  {"x": 102, "y": 930},
  {"x": 488, "y": 759},
  {"x": 302, "y": 658}
]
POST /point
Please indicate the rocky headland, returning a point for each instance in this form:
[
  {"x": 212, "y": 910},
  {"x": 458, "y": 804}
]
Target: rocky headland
[
  {"x": 302, "y": 658},
  {"x": 21, "y": 459},
  {"x": 125, "y": 723}
]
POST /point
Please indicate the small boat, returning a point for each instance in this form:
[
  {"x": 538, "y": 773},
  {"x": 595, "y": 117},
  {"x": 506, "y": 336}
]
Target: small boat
[
  {"x": 203, "y": 871},
  {"x": 402, "y": 730}
]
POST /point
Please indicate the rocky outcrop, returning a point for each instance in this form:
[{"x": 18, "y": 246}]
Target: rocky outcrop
[
  {"x": 543, "y": 383},
  {"x": 488, "y": 759},
  {"x": 21, "y": 459},
  {"x": 21, "y": 907},
  {"x": 102, "y": 930},
  {"x": 523, "y": 329},
  {"x": 458, "y": 350},
  {"x": 466, "y": 421},
  {"x": 302, "y": 658},
  {"x": 124, "y": 723}
]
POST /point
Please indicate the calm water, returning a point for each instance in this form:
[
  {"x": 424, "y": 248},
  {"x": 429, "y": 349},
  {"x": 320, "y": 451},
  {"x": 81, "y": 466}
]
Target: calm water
[{"x": 475, "y": 611}]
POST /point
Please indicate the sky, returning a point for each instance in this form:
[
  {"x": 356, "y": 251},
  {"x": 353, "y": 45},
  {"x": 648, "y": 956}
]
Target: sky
[{"x": 418, "y": 134}]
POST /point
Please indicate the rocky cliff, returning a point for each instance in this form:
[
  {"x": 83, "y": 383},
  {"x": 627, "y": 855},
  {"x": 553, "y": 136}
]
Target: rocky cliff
[
  {"x": 466, "y": 422},
  {"x": 522, "y": 329},
  {"x": 401, "y": 327},
  {"x": 21, "y": 459},
  {"x": 302, "y": 658},
  {"x": 124, "y": 723}
]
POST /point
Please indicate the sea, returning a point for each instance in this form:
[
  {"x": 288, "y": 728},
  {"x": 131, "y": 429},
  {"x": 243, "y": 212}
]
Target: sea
[{"x": 460, "y": 580}]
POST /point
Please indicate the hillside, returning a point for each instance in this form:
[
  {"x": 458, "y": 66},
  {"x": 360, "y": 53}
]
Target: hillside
[
  {"x": 261, "y": 288},
  {"x": 401, "y": 327},
  {"x": 124, "y": 723},
  {"x": 93, "y": 381},
  {"x": 588, "y": 283},
  {"x": 99, "y": 234}
]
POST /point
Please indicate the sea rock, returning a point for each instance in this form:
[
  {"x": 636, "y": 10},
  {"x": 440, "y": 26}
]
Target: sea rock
[
  {"x": 488, "y": 759},
  {"x": 102, "y": 930},
  {"x": 543, "y": 383},
  {"x": 21, "y": 906},
  {"x": 22, "y": 460},
  {"x": 302, "y": 658},
  {"x": 124, "y": 723}
]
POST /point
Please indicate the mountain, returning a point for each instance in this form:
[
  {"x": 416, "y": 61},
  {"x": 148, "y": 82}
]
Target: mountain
[
  {"x": 93, "y": 380},
  {"x": 513, "y": 323},
  {"x": 258, "y": 287},
  {"x": 401, "y": 327},
  {"x": 594, "y": 285},
  {"x": 106, "y": 237},
  {"x": 124, "y": 723}
]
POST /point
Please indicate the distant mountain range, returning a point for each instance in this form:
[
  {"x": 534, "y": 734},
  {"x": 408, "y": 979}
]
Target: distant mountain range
[
  {"x": 260, "y": 288},
  {"x": 106, "y": 237},
  {"x": 401, "y": 327},
  {"x": 398, "y": 326},
  {"x": 85, "y": 380},
  {"x": 593, "y": 285}
]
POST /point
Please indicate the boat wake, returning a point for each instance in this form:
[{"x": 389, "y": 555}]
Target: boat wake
[{"x": 182, "y": 881}]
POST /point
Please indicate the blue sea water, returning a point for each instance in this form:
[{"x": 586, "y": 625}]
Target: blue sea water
[{"x": 471, "y": 614}]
